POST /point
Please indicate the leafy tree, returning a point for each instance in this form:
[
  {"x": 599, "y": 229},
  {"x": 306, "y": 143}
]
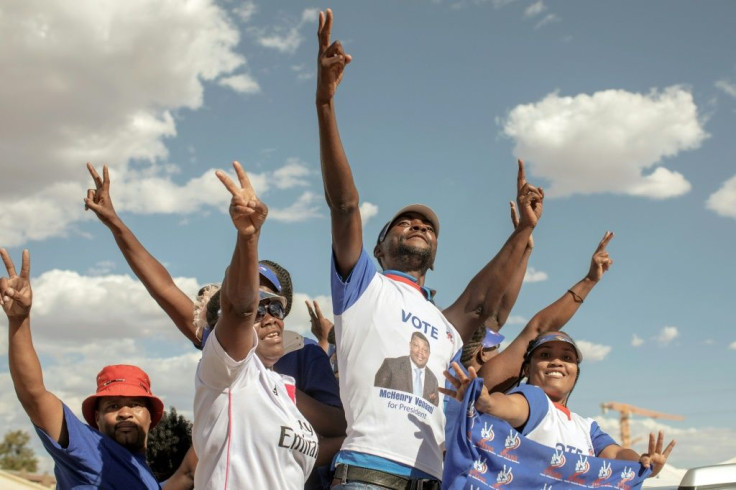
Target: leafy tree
[
  {"x": 168, "y": 442},
  {"x": 15, "y": 453}
]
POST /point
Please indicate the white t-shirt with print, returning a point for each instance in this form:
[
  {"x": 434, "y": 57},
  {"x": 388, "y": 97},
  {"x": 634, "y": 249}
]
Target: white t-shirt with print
[
  {"x": 247, "y": 431},
  {"x": 556, "y": 426},
  {"x": 375, "y": 317}
]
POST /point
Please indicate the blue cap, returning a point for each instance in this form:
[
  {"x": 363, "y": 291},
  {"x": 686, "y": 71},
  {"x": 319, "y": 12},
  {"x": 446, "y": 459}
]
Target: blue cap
[
  {"x": 553, "y": 337},
  {"x": 492, "y": 339},
  {"x": 270, "y": 276}
]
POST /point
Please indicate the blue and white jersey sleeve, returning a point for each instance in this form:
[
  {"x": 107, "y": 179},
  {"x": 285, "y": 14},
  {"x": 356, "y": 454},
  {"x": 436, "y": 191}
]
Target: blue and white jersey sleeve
[
  {"x": 538, "y": 405},
  {"x": 555, "y": 426},
  {"x": 601, "y": 440},
  {"x": 346, "y": 291}
]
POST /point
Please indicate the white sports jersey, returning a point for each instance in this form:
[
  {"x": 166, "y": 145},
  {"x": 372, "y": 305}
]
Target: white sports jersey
[
  {"x": 555, "y": 426},
  {"x": 247, "y": 432},
  {"x": 375, "y": 317}
]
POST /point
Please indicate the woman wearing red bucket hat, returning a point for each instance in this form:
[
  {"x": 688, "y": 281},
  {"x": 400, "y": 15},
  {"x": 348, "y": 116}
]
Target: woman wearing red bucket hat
[{"x": 110, "y": 452}]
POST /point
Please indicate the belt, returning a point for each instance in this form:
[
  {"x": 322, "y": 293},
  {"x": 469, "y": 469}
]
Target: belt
[{"x": 345, "y": 473}]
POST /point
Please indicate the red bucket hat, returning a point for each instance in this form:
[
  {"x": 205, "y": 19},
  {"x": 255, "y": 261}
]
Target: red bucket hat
[{"x": 122, "y": 380}]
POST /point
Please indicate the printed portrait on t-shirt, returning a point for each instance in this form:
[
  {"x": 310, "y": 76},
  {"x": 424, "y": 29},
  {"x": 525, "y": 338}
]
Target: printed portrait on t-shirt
[{"x": 410, "y": 373}]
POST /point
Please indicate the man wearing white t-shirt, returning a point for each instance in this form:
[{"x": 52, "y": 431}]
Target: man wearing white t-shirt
[{"x": 394, "y": 438}]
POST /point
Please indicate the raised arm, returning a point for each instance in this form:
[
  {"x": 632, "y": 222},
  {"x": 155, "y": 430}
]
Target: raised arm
[
  {"x": 43, "y": 407},
  {"x": 517, "y": 278},
  {"x": 239, "y": 293},
  {"x": 500, "y": 372},
  {"x": 340, "y": 191},
  {"x": 481, "y": 300},
  {"x": 151, "y": 273}
]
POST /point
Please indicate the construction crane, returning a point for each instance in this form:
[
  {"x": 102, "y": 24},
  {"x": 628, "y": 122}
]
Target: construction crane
[{"x": 626, "y": 410}]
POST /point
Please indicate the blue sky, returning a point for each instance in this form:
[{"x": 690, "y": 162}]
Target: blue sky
[{"x": 624, "y": 112}]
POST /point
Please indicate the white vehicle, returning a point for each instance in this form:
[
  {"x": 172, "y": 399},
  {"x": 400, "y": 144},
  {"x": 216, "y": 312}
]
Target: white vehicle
[{"x": 715, "y": 477}]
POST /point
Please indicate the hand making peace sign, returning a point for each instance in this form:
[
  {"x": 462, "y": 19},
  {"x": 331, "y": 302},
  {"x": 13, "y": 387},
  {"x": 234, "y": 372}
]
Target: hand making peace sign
[
  {"x": 15, "y": 290},
  {"x": 246, "y": 210}
]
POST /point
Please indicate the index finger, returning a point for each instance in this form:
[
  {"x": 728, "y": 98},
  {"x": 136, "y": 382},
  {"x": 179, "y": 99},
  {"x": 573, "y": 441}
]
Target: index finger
[
  {"x": 604, "y": 241},
  {"x": 243, "y": 177},
  {"x": 94, "y": 174},
  {"x": 317, "y": 308},
  {"x": 325, "y": 28},
  {"x": 105, "y": 178},
  {"x": 227, "y": 182},
  {"x": 8, "y": 263},
  {"x": 669, "y": 448},
  {"x": 521, "y": 176},
  {"x": 309, "y": 309},
  {"x": 660, "y": 441},
  {"x": 25, "y": 266}
]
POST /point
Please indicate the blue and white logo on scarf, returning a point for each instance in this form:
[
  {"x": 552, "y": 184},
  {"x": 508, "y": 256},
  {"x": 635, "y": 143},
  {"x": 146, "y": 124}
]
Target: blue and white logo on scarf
[{"x": 485, "y": 452}]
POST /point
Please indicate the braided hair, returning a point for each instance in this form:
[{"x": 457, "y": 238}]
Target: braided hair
[{"x": 470, "y": 348}]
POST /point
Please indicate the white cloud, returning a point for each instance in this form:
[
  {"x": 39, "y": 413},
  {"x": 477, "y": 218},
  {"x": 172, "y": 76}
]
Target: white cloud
[
  {"x": 723, "y": 201},
  {"x": 367, "y": 211},
  {"x": 608, "y": 141},
  {"x": 535, "y": 9},
  {"x": 516, "y": 320},
  {"x": 533, "y": 275},
  {"x": 70, "y": 307},
  {"x": 593, "y": 352},
  {"x": 636, "y": 341},
  {"x": 727, "y": 87},
  {"x": 246, "y": 10},
  {"x": 96, "y": 81},
  {"x": 291, "y": 175},
  {"x": 286, "y": 38},
  {"x": 732, "y": 345},
  {"x": 497, "y": 3},
  {"x": 703, "y": 445},
  {"x": 147, "y": 191},
  {"x": 548, "y": 19},
  {"x": 307, "y": 206},
  {"x": 303, "y": 72},
  {"x": 101, "y": 268},
  {"x": 244, "y": 84},
  {"x": 40, "y": 215},
  {"x": 667, "y": 335}
]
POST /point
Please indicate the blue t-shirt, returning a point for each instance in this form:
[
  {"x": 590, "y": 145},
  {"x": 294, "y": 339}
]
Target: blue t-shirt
[
  {"x": 94, "y": 460},
  {"x": 310, "y": 368}
]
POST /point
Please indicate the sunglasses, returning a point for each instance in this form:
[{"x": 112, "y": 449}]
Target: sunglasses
[{"x": 274, "y": 308}]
